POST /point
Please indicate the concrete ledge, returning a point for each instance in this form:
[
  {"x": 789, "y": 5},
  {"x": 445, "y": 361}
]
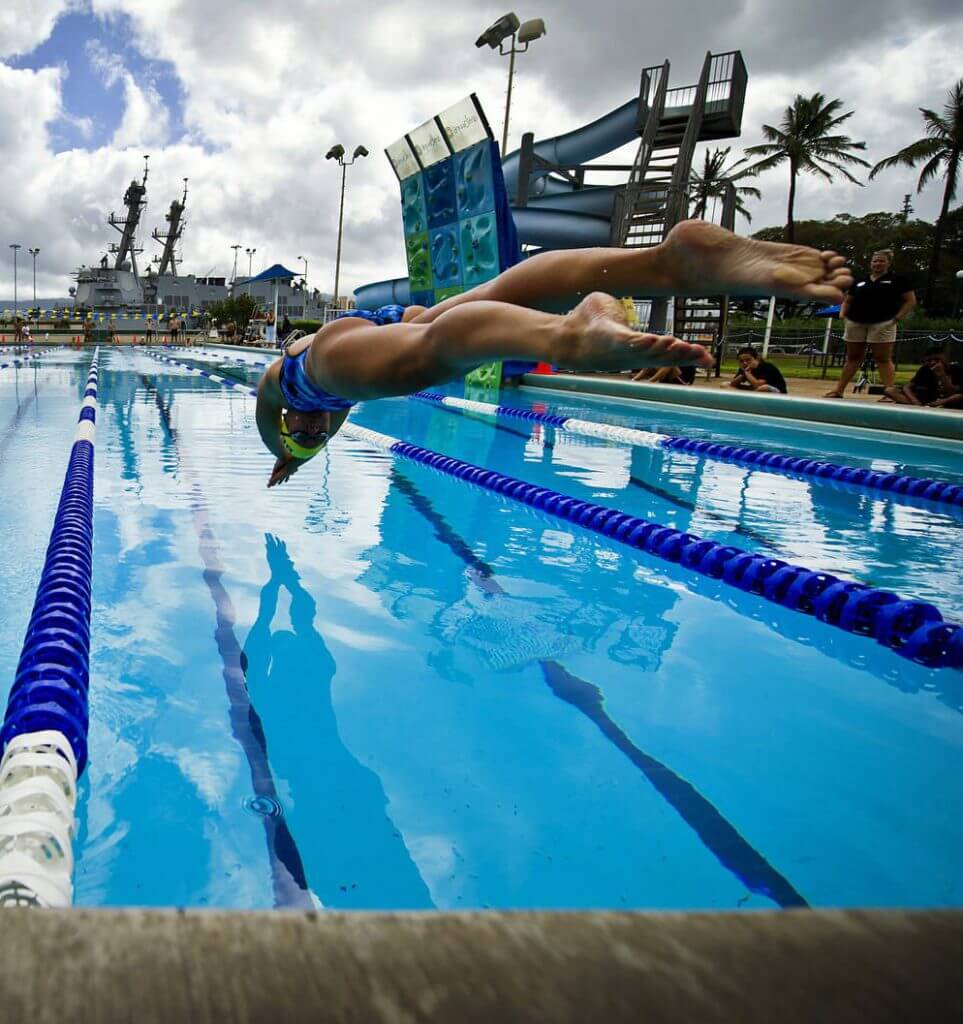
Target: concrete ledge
[
  {"x": 153, "y": 966},
  {"x": 867, "y": 415}
]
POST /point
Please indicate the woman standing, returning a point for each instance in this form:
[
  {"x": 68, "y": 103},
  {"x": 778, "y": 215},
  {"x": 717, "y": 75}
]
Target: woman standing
[{"x": 871, "y": 310}]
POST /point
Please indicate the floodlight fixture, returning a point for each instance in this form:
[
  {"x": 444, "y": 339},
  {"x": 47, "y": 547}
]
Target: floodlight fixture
[
  {"x": 336, "y": 152},
  {"x": 359, "y": 151},
  {"x": 507, "y": 25},
  {"x": 529, "y": 31},
  {"x": 503, "y": 36}
]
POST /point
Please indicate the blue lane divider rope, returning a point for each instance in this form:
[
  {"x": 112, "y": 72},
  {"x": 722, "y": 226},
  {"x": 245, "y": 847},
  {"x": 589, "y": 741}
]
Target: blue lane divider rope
[
  {"x": 50, "y": 687},
  {"x": 215, "y": 377},
  {"x": 889, "y": 483},
  {"x": 913, "y": 629}
]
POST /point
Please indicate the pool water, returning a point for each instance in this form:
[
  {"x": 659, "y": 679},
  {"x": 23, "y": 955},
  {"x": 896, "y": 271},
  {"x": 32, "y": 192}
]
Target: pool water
[{"x": 380, "y": 687}]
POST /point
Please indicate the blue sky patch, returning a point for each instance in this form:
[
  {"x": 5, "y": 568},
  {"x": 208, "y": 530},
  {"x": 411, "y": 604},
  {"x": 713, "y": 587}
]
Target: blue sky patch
[{"x": 93, "y": 108}]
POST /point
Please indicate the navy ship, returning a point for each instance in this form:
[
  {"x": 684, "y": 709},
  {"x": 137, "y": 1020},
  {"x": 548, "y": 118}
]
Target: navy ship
[{"x": 115, "y": 289}]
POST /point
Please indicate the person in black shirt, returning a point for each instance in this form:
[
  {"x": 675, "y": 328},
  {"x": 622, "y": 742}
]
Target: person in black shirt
[
  {"x": 758, "y": 375},
  {"x": 936, "y": 383},
  {"x": 872, "y": 309}
]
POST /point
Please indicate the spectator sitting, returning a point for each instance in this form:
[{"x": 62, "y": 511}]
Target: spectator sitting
[
  {"x": 666, "y": 375},
  {"x": 936, "y": 383},
  {"x": 757, "y": 374}
]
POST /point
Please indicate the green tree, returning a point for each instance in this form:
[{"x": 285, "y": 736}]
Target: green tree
[
  {"x": 939, "y": 152},
  {"x": 806, "y": 140},
  {"x": 714, "y": 181},
  {"x": 239, "y": 308}
]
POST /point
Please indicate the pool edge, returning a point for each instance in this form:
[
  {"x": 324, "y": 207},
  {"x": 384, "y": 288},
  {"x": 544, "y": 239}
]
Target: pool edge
[
  {"x": 171, "y": 965},
  {"x": 932, "y": 423}
]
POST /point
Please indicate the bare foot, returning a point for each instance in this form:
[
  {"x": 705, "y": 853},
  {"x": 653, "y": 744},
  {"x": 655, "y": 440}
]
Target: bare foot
[
  {"x": 596, "y": 336},
  {"x": 708, "y": 260}
]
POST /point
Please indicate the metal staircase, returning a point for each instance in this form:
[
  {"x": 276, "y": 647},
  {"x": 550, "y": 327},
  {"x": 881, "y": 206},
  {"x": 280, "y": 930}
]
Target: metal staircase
[{"x": 656, "y": 196}]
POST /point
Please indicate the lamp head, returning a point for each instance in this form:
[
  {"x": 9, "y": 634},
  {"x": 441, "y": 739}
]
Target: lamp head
[
  {"x": 531, "y": 30},
  {"x": 358, "y": 151},
  {"x": 506, "y": 25},
  {"x": 336, "y": 152}
]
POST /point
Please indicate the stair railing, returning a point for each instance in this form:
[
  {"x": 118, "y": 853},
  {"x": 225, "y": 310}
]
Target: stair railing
[{"x": 627, "y": 199}]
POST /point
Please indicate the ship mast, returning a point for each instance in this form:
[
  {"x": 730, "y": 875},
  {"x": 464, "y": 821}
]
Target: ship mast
[
  {"x": 135, "y": 199},
  {"x": 175, "y": 228}
]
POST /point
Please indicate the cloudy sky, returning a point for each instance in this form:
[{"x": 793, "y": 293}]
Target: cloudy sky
[{"x": 245, "y": 97}]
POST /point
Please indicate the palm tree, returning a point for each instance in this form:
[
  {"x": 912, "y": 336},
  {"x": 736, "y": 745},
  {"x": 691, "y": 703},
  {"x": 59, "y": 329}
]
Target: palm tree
[
  {"x": 941, "y": 148},
  {"x": 714, "y": 182},
  {"x": 805, "y": 139}
]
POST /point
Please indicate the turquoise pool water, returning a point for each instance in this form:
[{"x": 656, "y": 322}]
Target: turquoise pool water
[{"x": 378, "y": 687}]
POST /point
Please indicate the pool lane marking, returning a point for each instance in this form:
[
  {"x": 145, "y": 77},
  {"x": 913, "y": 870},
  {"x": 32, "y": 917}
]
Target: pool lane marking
[
  {"x": 11, "y": 428},
  {"x": 722, "y": 839},
  {"x": 896, "y": 485},
  {"x": 290, "y": 883}
]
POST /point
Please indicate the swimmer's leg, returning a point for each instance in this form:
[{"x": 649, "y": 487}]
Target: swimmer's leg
[
  {"x": 695, "y": 259},
  {"x": 398, "y": 359}
]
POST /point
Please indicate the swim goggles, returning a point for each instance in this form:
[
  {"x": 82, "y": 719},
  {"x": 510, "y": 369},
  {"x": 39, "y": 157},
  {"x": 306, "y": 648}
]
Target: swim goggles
[{"x": 293, "y": 442}]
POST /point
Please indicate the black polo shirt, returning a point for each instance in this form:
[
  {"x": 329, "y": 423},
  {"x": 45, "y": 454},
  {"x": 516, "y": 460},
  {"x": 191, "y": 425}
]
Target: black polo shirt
[{"x": 875, "y": 302}]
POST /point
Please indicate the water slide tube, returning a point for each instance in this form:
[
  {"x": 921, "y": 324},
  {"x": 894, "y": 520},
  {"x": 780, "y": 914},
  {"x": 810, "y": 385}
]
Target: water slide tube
[{"x": 558, "y": 216}]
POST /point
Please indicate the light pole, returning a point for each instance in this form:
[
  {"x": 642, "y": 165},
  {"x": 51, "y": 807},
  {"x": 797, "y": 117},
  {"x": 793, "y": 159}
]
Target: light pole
[
  {"x": 304, "y": 286},
  {"x": 250, "y": 257},
  {"x": 35, "y": 253},
  {"x": 336, "y": 152},
  {"x": 16, "y": 310},
  {"x": 234, "y": 278},
  {"x": 509, "y": 27},
  {"x": 956, "y": 304}
]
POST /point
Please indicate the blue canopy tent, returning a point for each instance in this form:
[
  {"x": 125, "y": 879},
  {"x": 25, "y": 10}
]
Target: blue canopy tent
[
  {"x": 274, "y": 273},
  {"x": 828, "y": 311}
]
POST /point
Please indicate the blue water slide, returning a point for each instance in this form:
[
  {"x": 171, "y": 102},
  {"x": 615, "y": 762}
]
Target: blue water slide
[
  {"x": 557, "y": 216},
  {"x": 612, "y": 130}
]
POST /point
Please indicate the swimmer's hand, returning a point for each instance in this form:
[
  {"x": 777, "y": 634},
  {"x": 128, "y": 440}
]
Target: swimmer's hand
[{"x": 283, "y": 470}]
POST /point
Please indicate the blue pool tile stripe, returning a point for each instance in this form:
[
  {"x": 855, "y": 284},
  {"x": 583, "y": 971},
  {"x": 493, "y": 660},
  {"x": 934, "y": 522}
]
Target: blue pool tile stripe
[
  {"x": 720, "y": 837},
  {"x": 913, "y": 629},
  {"x": 942, "y": 491},
  {"x": 50, "y": 687},
  {"x": 289, "y": 881}
]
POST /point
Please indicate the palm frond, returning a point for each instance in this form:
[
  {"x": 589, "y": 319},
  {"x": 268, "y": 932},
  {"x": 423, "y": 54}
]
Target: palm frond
[
  {"x": 929, "y": 171},
  {"x": 909, "y": 156},
  {"x": 838, "y": 167}
]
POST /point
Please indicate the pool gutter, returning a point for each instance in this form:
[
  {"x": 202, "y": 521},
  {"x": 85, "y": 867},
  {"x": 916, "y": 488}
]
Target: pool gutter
[{"x": 864, "y": 415}]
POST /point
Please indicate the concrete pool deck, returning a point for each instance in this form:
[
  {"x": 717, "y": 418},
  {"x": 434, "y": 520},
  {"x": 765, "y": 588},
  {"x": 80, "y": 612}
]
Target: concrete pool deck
[{"x": 199, "y": 966}]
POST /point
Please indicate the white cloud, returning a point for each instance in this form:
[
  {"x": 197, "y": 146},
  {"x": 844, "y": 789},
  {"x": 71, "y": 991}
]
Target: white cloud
[
  {"x": 25, "y": 24},
  {"x": 146, "y": 119}
]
